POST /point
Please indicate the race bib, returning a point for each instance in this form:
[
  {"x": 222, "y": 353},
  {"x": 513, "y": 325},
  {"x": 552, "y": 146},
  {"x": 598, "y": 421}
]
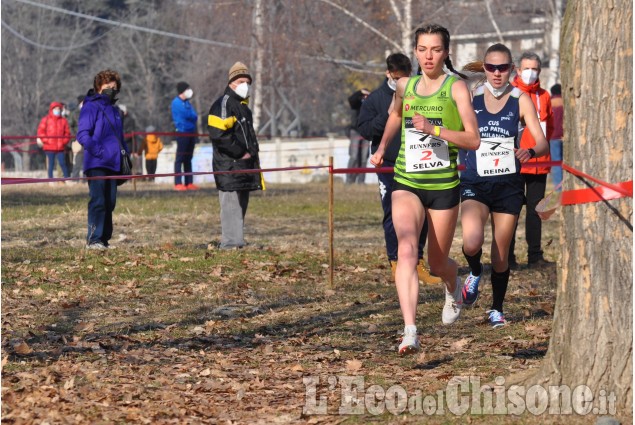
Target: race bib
[
  {"x": 425, "y": 152},
  {"x": 495, "y": 157}
]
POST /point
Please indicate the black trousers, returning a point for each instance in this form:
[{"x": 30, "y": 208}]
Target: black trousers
[
  {"x": 151, "y": 166},
  {"x": 535, "y": 185},
  {"x": 184, "y": 153}
]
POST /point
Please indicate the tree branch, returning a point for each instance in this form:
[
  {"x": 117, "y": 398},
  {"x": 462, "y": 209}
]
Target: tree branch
[
  {"x": 363, "y": 23},
  {"x": 491, "y": 17}
]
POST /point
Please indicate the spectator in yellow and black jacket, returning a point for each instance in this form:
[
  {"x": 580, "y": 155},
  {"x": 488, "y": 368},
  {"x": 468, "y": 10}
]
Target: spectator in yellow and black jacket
[{"x": 233, "y": 137}]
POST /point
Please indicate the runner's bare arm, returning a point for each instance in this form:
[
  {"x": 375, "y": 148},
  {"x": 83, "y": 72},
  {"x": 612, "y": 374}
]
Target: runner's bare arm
[{"x": 469, "y": 138}]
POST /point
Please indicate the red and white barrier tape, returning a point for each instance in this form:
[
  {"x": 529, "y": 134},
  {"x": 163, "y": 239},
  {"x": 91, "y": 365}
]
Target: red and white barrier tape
[
  {"x": 606, "y": 191},
  {"x": 26, "y": 180}
]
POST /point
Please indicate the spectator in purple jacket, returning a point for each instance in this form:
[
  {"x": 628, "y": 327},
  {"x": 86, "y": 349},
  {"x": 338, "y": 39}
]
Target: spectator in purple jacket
[{"x": 100, "y": 131}]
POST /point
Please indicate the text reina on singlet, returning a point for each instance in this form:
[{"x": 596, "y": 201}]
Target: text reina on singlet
[{"x": 496, "y": 171}]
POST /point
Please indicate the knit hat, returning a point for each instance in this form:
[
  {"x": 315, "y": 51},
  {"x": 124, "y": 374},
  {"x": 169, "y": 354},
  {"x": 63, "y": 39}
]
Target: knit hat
[
  {"x": 182, "y": 86},
  {"x": 238, "y": 70}
]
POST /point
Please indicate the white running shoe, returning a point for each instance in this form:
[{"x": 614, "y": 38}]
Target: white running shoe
[
  {"x": 453, "y": 304},
  {"x": 409, "y": 343}
]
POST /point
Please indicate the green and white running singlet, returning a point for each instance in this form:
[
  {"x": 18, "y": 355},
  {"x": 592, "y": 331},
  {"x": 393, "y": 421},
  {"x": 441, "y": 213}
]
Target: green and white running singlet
[{"x": 425, "y": 161}]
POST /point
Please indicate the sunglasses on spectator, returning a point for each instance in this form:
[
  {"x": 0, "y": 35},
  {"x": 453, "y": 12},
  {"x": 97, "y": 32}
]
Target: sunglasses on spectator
[{"x": 504, "y": 67}]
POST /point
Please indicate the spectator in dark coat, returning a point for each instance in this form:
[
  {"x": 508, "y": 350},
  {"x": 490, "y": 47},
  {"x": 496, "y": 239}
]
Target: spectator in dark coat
[
  {"x": 233, "y": 136},
  {"x": 358, "y": 148}
]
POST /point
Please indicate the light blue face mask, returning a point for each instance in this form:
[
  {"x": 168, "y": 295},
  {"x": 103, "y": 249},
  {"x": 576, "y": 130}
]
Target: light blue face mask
[{"x": 57, "y": 112}]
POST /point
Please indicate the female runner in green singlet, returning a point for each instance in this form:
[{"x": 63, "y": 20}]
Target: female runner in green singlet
[{"x": 436, "y": 118}]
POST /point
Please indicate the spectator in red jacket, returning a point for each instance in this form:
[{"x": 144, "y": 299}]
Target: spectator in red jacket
[
  {"x": 527, "y": 79},
  {"x": 53, "y": 135}
]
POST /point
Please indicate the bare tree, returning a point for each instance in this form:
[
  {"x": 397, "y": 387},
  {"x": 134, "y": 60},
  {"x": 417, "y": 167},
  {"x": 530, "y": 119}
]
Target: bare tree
[
  {"x": 148, "y": 63},
  {"x": 258, "y": 43},
  {"x": 553, "y": 44},
  {"x": 39, "y": 50},
  {"x": 307, "y": 55},
  {"x": 488, "y": 6}
]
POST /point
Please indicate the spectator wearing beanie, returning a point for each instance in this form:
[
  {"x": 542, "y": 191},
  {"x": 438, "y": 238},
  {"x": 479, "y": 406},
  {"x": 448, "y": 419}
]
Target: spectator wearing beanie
[
  {"x": 184, "y": 117},
  {"x": 231, "y": 130}
]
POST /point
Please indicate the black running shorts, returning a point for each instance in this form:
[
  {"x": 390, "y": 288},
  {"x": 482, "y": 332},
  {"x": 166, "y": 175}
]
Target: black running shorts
[
  {"x": 433, "y": 199},
  {"x": 499, "y": 197}
]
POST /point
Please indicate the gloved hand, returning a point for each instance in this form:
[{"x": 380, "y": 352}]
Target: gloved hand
[{"x": 40, "y": 143}]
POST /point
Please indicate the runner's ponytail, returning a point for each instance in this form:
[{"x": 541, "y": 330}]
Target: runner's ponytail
[{"x": 448, "y": 65}]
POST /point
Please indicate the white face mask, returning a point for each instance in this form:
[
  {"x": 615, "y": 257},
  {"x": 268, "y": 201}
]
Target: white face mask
[
  {"x": 188, "y": 93},
  {"x": 496, "y": 92},
  {"x": 529, "y": 76},
  {"x": 392, "y": 84},
  {"x": 243, "y": 90}
]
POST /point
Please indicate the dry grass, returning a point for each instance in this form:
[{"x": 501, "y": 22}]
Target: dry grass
[{"x": 164, "y": 330}]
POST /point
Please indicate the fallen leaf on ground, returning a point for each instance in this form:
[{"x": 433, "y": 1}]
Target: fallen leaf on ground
[
  {"x": 84, "y": 327},
  {"x": 22, "y": 348},
  {"x": 460, "y": 344},
  {"x": 353, "y": 365},
  {"x": 69, "y": 384}
]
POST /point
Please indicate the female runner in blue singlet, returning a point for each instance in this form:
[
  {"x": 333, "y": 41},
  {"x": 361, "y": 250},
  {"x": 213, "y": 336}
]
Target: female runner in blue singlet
[{"x": 491, "y": 185}]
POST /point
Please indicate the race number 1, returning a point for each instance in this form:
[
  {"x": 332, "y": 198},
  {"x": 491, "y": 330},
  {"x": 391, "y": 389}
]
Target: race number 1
[{"x": 495, "y": 156}]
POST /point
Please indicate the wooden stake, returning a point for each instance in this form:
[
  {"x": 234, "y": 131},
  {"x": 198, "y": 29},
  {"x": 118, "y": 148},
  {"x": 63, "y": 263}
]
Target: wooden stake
[{"x": 331, "y": 224}]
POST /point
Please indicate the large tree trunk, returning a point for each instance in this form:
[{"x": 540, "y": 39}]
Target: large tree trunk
[{"x": 592, "y": 337}]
